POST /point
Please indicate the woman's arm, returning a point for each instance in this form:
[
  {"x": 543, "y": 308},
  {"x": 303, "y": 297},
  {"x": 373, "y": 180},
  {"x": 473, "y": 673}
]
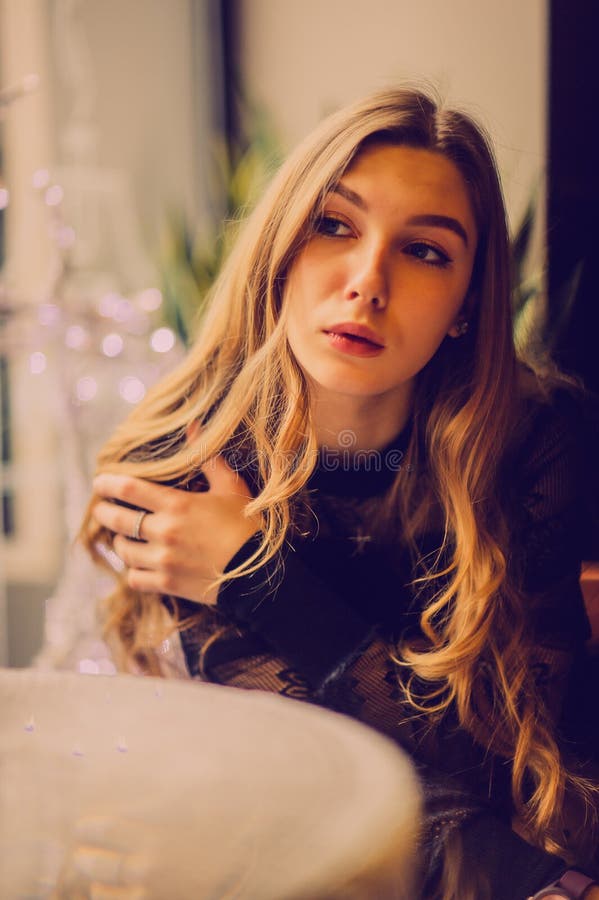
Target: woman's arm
[{"x": 188, "y": 539}]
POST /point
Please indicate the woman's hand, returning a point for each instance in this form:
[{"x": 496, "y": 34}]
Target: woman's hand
[{"x": 186, "y": 538}]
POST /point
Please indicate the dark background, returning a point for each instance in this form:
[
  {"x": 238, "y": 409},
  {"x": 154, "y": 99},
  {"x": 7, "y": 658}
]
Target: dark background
[{"x": 573, "y": 184}]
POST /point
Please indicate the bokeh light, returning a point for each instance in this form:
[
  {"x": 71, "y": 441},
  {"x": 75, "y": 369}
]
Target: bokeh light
[
  {"x": 41, "y": 179},
  {"x": 149, "y": 300},
  {"x": 37, "y": 363},
  {"x": 162, "y": 340},
  {"x": 86, "y": 389},
  {"x": 76, "y": 337},
  {"x": 88, "y": 667},
  {"x": 112, "y": 344},
  {"x": 108, "y": 304},
  {"x": 54, "y": 195},
  {"x": 131, "y": 389}
]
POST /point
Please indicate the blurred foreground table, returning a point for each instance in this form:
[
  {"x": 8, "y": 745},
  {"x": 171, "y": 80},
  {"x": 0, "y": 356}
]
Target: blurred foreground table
[{"x": 134, "y": 788}]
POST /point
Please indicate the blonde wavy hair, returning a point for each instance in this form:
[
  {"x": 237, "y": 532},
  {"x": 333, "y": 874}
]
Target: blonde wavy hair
[{"x": 241, "y": 383}]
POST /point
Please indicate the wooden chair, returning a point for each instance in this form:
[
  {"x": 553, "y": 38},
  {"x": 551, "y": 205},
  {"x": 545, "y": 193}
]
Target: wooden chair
[{"x": 589, "y": 583}]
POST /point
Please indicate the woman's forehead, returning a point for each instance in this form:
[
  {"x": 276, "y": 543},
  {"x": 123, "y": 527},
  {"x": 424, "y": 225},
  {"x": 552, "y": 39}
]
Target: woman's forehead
[{"x": 402, "y": 178}]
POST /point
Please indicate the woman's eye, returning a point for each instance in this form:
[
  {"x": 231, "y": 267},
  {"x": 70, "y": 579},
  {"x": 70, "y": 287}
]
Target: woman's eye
[
  {"x": 332, "y": 227},
  {"x": 428, "y": 254}
]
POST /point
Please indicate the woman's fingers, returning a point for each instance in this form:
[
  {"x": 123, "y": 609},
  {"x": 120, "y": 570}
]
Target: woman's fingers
[
  {"x": 223, "y": 479},
  {"x": 135, "y": 554},
  {"x": 123, "y": 521},
  {"x": 158, "y": 581},
  {"x": 136, "y": 491},
  {"x": 175, "y": 541},
  {"x": 150, "y": 499},
  {"x": 158, "y": 567},
  {"x": 153, "y": 497}
]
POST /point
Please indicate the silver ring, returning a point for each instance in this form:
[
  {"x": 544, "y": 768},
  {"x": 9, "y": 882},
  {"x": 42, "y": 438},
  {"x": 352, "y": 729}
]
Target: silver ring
[{"x": 138, "y": 523}]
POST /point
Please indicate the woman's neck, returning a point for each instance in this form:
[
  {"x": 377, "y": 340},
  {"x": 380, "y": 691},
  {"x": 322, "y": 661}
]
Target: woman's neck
[{"x": 358, "y": 424}]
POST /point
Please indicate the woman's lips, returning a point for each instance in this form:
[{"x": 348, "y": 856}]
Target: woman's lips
[{"x": 357, "y": 340}]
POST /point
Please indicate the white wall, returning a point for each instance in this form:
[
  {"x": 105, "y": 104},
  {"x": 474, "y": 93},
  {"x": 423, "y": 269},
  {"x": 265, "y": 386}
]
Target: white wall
[{"x": 302, "y": 59}]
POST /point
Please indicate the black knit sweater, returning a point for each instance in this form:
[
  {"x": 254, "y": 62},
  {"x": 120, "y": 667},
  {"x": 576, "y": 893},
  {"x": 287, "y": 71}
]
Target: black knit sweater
[{"x": 321, "y": 627}]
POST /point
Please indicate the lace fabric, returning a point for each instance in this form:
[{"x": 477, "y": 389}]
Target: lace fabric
[{"x": 349, "y": 552}]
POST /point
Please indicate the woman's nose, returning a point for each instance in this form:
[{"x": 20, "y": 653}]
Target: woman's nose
[{"x": 368, "y": 279}]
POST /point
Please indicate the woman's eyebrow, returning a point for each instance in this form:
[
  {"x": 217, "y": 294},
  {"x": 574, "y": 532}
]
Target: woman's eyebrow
[
  {"x": 437, "y": 221},
  {"x": 430, "y": 219},
  {"x": 350, "y": 195}
]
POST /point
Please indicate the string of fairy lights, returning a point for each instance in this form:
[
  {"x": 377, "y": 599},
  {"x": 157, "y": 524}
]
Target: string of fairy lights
[{"x": 108, "y": 326}]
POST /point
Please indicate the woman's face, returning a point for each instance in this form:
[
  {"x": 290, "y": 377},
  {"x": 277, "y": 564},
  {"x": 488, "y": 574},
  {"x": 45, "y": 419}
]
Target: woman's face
[{"x": 383, "y": 276}]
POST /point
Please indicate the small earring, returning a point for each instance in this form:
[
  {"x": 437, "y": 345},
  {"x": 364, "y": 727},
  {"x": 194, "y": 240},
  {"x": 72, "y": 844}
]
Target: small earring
[{"x": 460, "y": 328}]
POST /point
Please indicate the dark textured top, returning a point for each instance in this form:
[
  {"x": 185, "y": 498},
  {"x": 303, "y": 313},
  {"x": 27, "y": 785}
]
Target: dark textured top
[{"x": 322, "y": 629}]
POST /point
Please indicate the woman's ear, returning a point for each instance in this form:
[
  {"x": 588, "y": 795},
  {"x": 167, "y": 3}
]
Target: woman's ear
[
  {"x": 461, "y": 322},
  {"x": 459, "y": 327}
]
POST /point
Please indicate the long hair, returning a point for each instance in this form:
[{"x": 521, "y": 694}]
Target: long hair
[{"x": 241, "y": 383}]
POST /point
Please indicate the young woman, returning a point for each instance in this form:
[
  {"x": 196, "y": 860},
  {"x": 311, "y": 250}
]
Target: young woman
[{"x": 352, "y": 493}]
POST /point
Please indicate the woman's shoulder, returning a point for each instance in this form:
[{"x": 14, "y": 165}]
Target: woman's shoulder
[
  {"x": 550, "y": 462},
  {"x": 553, "y": 419}
]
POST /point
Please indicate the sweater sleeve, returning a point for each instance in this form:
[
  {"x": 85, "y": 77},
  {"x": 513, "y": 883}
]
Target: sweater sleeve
[{"x": 301, "y": 619}]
